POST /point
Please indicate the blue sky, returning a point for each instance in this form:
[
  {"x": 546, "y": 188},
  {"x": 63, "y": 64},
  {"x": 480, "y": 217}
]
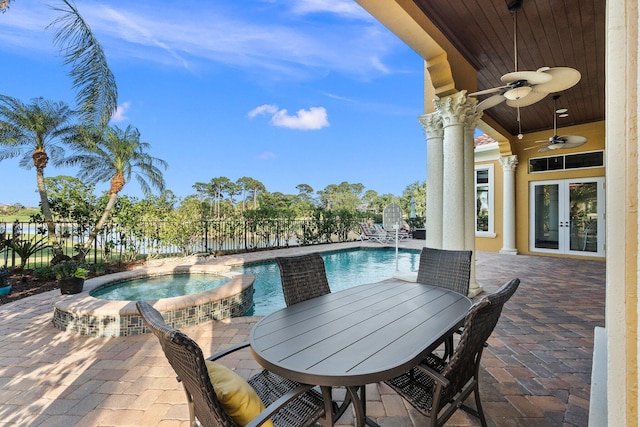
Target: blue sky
[{"x": 287, "y": 92}]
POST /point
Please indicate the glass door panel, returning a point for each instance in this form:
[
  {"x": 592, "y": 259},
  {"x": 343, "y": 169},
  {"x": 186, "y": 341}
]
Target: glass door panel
[
  {"x": 583, "y": 200},
  {"x": 546, "y": 223}
]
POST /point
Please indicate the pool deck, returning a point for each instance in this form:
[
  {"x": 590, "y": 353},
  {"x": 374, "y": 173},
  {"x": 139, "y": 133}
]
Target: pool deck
[{"x": 535, "y": 372}]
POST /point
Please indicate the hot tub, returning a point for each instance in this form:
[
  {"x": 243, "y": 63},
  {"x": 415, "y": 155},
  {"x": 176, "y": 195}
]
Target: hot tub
[{"x": 84, "y": 314}]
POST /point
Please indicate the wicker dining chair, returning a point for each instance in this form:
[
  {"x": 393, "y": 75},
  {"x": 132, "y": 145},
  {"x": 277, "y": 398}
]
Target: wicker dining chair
[
  {"x": 449, "y": 269},
  {"x": 303, "y": 277},
  {"x": 445, "y": 268},
  {"x": 438, "y": 387},
  {"x": 287, "y": 402}
]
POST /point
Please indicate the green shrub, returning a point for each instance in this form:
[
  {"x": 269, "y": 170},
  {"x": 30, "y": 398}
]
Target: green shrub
[
  {"x": 44, "y": 273},
  {"x": 70, "y": 269}
]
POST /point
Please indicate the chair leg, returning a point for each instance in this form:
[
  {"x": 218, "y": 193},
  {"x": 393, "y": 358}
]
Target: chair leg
[
  {"x": 476, "y": 392},
  {"x": 191, "y": 406},
  {"x": 448, "y": 348}
]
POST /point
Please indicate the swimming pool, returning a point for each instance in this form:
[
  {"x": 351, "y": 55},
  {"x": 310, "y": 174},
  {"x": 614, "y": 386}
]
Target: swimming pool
[{"x": 344, "y": 269}]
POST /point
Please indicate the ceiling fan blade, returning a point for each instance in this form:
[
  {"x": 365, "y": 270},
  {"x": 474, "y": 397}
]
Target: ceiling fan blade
[
  {"x": 532, "y": 147},
  {"x": 544, "y": 150},
  {"x": 492, "y": 101},
  {"x": 574, "y": 139},
  {"x": 488, "y": 91},
  {"x": 525, "y": 101},
  {"x": 531, "y": 77},
  {"x": 563, "y": 78},
  {"x": 573, "y": 144}
]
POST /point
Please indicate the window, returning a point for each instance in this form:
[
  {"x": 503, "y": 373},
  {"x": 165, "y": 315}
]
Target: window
[
  {"x": 569, "y": 161},
  {"x": 484, "y": 200}
]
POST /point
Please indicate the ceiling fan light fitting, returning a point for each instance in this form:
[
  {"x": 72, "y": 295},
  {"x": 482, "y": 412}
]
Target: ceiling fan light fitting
[
  {"x": 517, "y": 92},
  {"x": 563, "y": 115},
  {"x": 562, "y": 111}
]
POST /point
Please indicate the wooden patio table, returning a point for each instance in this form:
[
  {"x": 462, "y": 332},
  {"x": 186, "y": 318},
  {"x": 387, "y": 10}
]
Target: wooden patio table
[{"x": 358, "y": 336}]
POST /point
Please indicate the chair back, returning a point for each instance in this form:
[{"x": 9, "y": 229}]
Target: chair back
[
  {"x": 186, "y": 359},
  {"x": 303, "y": 277},
  {"x": 445, "y": 268},
  {"x": 366, "y": 230},
  {"x": 478, "y": 326}
]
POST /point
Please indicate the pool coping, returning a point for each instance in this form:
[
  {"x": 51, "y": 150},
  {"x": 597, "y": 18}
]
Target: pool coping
[{"x": 84, "y": 314}]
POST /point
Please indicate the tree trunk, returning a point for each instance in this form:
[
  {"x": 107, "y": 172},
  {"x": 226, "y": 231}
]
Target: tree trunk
[
  {"x": 40, "y": 161},
  {"x": 103, "y": 219}
]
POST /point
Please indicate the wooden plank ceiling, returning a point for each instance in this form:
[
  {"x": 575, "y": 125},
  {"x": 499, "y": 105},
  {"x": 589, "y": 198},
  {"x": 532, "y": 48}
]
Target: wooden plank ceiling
[{"x": 552, "y": 33}]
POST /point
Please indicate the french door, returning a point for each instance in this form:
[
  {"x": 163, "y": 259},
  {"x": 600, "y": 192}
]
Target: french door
[{"x": 567, "y": 216}]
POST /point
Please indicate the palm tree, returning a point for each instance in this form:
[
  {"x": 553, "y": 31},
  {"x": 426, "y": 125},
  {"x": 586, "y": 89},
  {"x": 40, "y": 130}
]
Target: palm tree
[
  {"x": 115, "y": 155},
  {"x": 97, "y": 96},
  {"x": 254, "y": 187},
  {"x": 32, "y": 132}
]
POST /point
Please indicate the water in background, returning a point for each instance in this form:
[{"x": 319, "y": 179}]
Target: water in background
[
  {"x": 162, "y": 286},
  {"x": 344, "y": 269}
]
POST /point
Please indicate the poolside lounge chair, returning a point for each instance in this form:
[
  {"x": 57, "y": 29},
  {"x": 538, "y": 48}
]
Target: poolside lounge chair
[
  {"x": 287, "y": 402},
  {"x": 303, "y": 277},
  {"x": 437, "y": 387},
  {"x": 379, "y": 235},
  {"x": 391, "y": 234},
  {"x": 447, "y": 269}
]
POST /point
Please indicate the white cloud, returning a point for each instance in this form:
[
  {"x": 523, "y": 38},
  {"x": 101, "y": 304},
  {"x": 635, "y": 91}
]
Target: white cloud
[
  {"x": 131, "y": 30},
  {"x": 121, "y": 111},
  {"x": 338, "y": 97},
  {"x": 344, "y": 8},
  {"x": 263, "y": 109},
  {"x": 312, "y": 119}
]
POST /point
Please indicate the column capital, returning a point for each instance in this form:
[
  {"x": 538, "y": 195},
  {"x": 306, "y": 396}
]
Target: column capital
[
  {"x": 454, "y": 109},
  {"x": 473, "y": 115},
  {"x": 509, "y": 163},
  {"x": 432, "y": 125}
]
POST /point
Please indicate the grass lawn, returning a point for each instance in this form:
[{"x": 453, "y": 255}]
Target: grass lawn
[{"x": 22, "y": 215}]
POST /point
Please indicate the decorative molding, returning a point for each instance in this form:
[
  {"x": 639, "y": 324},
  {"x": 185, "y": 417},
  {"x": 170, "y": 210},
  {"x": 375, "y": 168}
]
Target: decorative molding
[
  {"x": 509, "y": 163},
  {"x": 473, "y": 115},
  {"x": 453, "y": 109},
  {"x": 432, "y": 125}
]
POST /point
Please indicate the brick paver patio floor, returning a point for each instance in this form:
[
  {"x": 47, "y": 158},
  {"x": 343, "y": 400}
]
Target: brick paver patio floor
[{"x": 535, "y": 372}]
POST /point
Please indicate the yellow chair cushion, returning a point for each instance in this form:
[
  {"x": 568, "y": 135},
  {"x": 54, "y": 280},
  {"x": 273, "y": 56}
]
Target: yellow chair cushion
[{"x": 237, "y": 397}]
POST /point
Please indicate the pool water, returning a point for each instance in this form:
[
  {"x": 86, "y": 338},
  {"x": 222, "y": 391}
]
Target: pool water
[
  {"x": 162, "y": 286},
  {"x": 344, "y": 270}
]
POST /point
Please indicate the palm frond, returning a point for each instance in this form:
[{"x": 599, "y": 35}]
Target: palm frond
[{"x": 97, "y": 95}]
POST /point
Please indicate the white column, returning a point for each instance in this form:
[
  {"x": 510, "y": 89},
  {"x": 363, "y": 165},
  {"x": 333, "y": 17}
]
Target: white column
[
  {"x": 453, "y": 110},
  {"x": 432, "y": 125},
  {"x": 509, "y": 164},
  {"x": 469, "y": 192},
  {"x": 622, "y": 314}
]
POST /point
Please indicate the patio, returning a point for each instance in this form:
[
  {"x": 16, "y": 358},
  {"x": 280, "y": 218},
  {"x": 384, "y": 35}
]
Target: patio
[{"x": 536, "y": 370}]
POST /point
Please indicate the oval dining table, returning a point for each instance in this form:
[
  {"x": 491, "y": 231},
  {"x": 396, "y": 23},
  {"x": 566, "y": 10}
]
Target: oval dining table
[{"x": 358, "y": 336}]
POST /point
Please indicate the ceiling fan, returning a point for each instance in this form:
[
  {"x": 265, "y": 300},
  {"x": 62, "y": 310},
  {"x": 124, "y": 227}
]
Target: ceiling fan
[
  {"x": 524, "y": 88},
  {"x": 558, "y": 142}
]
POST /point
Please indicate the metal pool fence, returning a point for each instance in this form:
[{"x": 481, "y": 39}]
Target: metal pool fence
[{"x": 162, "y": 239}]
